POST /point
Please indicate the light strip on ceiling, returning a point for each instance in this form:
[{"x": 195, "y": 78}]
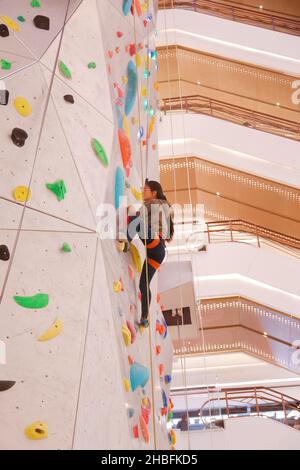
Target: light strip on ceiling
[
  {"x": 166, "y": 142},
  {"x": 240, "y": 384},
  {"x": 231, "y": 44},
  {"x": 246, "y": 279}
]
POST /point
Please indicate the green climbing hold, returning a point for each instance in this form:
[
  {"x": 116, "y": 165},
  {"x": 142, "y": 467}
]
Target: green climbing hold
[
  {"x": 35, "y": 4},
  {"x": 58, "y": 188},
  {"x": 35, "y": 302},
  {"x": 92, "y": 65},
  {"x": 66, "y": 248},
  {"x": 100, "y": 152},
  {"x": 5, "y": 65},
  {"x": 64, "y": 70},
  {"x": 21, "y": 19}
]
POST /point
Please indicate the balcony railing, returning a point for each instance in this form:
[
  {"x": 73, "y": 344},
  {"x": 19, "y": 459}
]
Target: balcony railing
[
  {"x": 233, "y": 230},
  {"x": 198, "y": 104},
  {"x": 243, "y": 14},
  {"x": 252, "y": 401}
]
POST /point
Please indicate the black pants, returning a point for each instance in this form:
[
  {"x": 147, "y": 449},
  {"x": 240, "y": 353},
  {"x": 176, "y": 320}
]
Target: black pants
[{"x": 155, "y": 257}]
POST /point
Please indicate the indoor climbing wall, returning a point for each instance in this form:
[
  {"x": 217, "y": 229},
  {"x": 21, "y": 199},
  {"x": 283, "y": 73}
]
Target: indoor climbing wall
[
  {"x": 145, "y": 356},
  {"x": 77, "y": 373}
]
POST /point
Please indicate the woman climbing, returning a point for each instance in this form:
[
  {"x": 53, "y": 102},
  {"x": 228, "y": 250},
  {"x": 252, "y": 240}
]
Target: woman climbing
[{"x": 154, "y": 225}]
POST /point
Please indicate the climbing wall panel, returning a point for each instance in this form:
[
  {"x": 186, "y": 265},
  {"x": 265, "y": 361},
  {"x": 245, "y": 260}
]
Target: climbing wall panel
[{"x": 62, "y": 303}]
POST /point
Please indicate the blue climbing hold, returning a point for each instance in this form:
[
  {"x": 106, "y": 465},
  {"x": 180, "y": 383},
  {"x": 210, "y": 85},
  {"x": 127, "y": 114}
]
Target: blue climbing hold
[
  {"x": 168, "y": 379},
  {"x": 131, "y": 87},
  {"x": 119, "y": 186},
  {"x": 119, "y": 118},
  {"x": 165, "y": 399},
  {"x": 139, "y": 376},
  {"x": 127, "y": 6}
]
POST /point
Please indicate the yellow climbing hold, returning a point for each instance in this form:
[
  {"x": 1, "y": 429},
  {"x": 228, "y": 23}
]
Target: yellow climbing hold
[
  {"x": 23, "y": 106},
  {"x": 138, "y": 60},
  {"x": 126, "y": 384},
  {"x": 137, "y": 194},
  {"x": 134, "y": 120},
  {"x": 151, "y": 127},
  {"x": 126, "y": 127},
  {"x": 10, "y": 23},
  {"x": 37, "y": 431},
  {"x": 125, "y": 79},
  {"x": 52, "y": 332},
  {"x": 144, "y": 91},
  {"x": 136, "y": 258},
  {"x": 126, "y": 335},
  {"x": 156, "y": 86},
  {"x": 22, "y": 194},
  {"x": 118, "y": 286}
]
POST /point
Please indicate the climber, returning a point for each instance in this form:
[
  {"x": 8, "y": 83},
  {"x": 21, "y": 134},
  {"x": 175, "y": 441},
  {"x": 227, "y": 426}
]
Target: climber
[{"x": 154, "y": 225}]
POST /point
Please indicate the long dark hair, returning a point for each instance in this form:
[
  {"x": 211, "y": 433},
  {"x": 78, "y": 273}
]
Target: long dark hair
[{"x": 157, "y": 187}]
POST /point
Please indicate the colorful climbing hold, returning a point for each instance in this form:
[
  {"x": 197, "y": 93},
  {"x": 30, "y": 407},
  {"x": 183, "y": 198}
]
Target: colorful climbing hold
[
  {"x": 5, "y": 64},
  {"x": 132, "y": 331},
  {"x": 58, "y": 188},
  {"x": 64, "y": 70},
  {"x": 69, "y": 99},
  {"x": 137, "y": 194},
  {"x": 23, "y": 106},
  {"x": 127, "y": 6},
  {"x": 168, "y": 379},
  {"x": 42, "y": 22},
  {"x": 131, "y": 87},
  {"x": 139, "y": 376},
  {"x": 131, "y": 272},
  {"x": 10, "y": 23},
  {"x": 52, "y": 332},
  {"x": 21, "y": 19},
  {"x": 37, "y": 431},
  {"x": 35, "y": 4},
  {"x": 136, "y": 258},
  {"x": 126, "y": 384},
  {"x": 35, "y": 302},
  {"x": 125, "y": 148},
  {"x": 4, "y": 32},
  {"x": 4, "y": 253},
  {"x": 6, "y": 385},
  {"x": 19, "y": 136},
  {"x": 144, "y": 430},
  {"x": 22, "y": 194},
  {"x": 119, "y": 186},
  {"x": 92, "y": 65},
  {"x": 100, "y": 152},
  {"x": 66, "y": 248},
  {"x": 126, "y": 335},
  {"x": 118, "y": 286}
]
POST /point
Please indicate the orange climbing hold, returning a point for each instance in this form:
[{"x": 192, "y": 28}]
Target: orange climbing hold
[
  {"x": 144, "y": 430},
  {"x": 125, "y": 148}
]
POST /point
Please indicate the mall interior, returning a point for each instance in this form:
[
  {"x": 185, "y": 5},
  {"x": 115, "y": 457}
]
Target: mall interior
[{"x": 97, "y": 97}]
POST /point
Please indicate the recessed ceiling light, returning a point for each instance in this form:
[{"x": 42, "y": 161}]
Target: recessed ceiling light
[
  {"x": 218, "y": 194},
  {"x": 198, "y": 83},
  {"x": 265, "y": 333},
  {"x": 261, "y": 7},
  {"x": 277, "y": 104}
]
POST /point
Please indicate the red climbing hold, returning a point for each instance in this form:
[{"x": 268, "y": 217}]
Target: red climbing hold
[
  {"x": 119, "y": 34},
  {"x": 132, "y": 50}
]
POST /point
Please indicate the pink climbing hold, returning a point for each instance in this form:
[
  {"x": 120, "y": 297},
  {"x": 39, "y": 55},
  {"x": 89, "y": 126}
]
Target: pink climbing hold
[
  {"x": 119, "y": 34},
  {"x": 131, "y": 272},
  {"x": 132, "y": 331}
]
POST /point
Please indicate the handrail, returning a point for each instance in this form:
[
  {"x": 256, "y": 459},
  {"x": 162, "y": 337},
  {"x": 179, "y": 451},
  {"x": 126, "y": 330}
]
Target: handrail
[
  {"x": 260, "y": 232},
  {"x": 256, "y": 396},
  {"x": 243, "y": 13},
  {"x": 220, "y": 109}
]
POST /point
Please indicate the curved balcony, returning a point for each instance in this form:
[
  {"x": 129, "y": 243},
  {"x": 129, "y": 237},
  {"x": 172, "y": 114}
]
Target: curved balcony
[
  {"x": 198, "y": 104},
  {"x": 252, "y": 401},
  {"x": 241, "y": 13}
]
